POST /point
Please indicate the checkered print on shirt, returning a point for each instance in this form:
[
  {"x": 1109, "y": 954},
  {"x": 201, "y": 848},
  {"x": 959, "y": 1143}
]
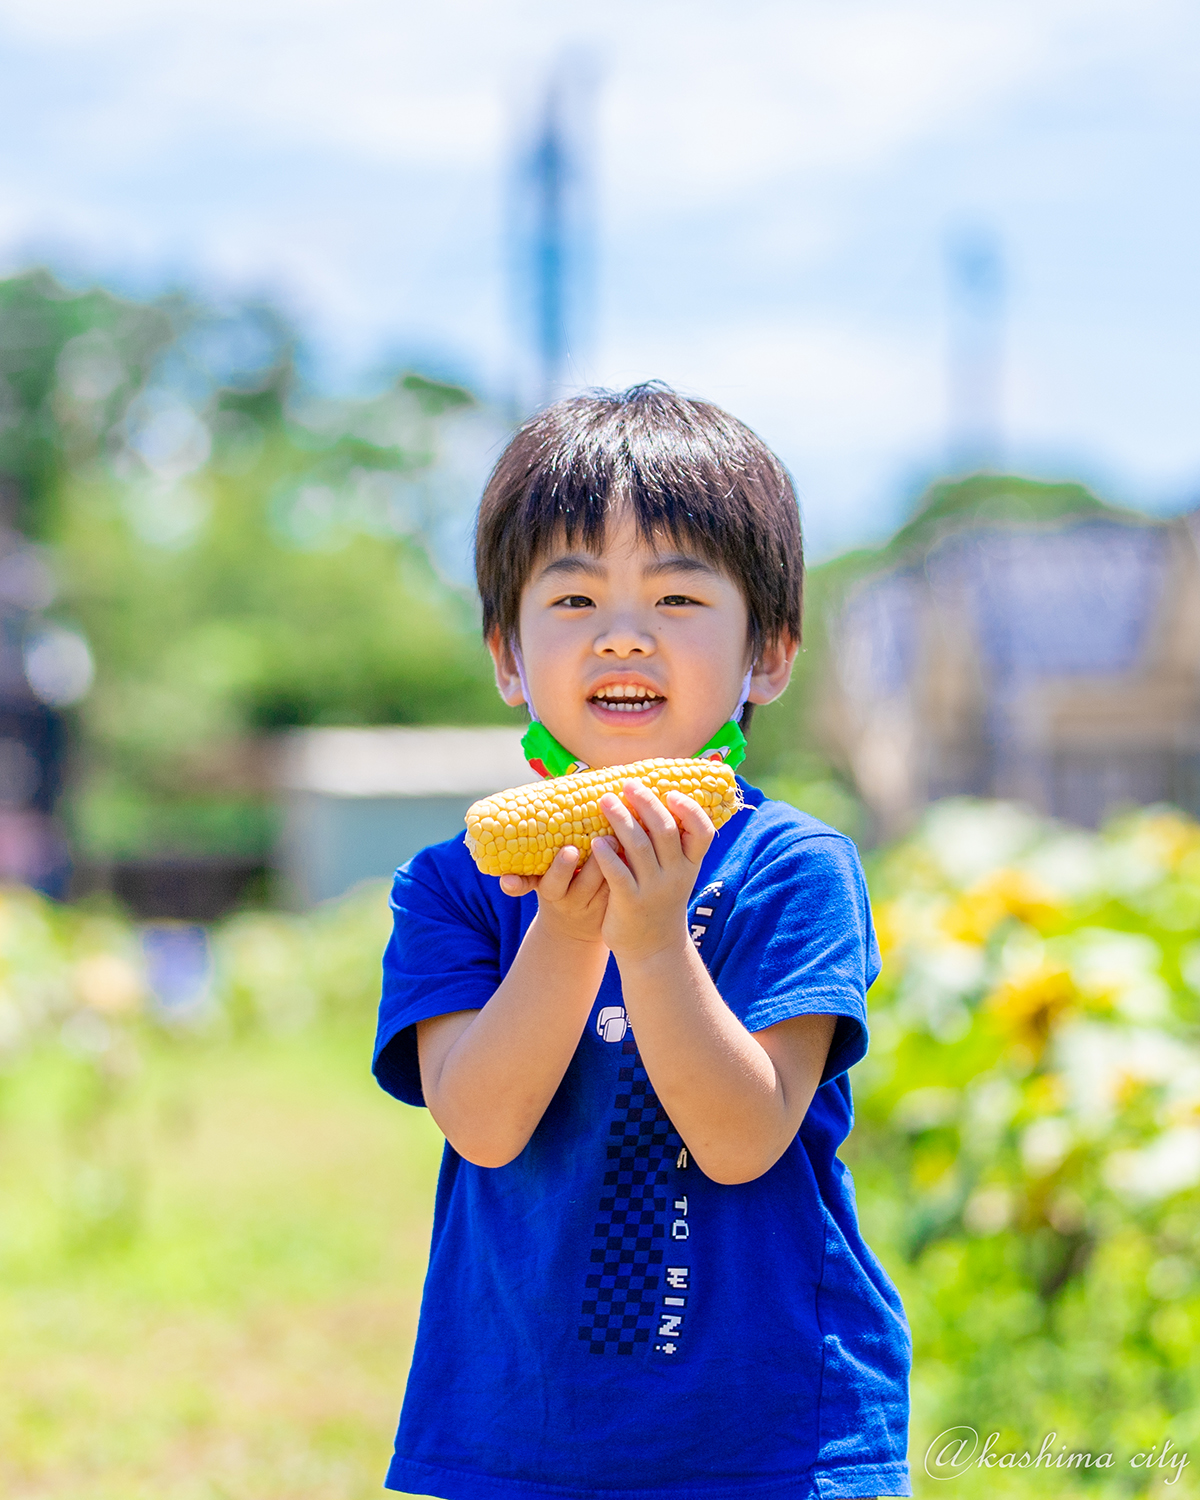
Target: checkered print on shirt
[{"x": 621, "y": 1301}]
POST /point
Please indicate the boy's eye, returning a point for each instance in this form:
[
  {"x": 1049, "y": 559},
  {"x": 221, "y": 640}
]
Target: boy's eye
[
  {"x": 575, "y": 601},
  {"x": 676, "y": 600}
]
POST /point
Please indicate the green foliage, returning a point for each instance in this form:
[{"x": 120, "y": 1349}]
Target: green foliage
[
  {"x": 240, "y": 555},
  {"x": 989, "y": 500},
  {"x": 1028, "y": 1136},
  {"x": 291, "y": 604},
  {"x": 69, "y": 366}
]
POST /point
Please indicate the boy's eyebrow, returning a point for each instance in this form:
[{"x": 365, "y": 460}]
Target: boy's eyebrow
[
  {"x": 593, "y": 567},
  {"x": 575, "y": 562},
  {"x": 678, "y": 562}
]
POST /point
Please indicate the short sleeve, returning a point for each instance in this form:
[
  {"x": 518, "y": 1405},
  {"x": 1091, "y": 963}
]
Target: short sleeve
[
  {"x": 799, "y": 940},
  {"x": 443, "y": 956}
]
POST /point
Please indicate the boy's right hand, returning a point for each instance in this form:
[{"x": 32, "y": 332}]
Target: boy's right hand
[
  {"x": 488, "y": 1074},
  {"x": 570, "y": 905}
]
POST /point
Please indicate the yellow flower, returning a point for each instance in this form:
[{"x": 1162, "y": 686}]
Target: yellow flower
[
  {"x": 1167, "y": 838},
  {"x": 1028, "y": 1005},
  {"x": 888, "y": 927},
  {"x": 1003, "y": 893}
]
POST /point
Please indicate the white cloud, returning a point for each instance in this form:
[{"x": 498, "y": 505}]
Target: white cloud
[
  {"x": 775, "y": 181},
  {"x": 829, "y": 381},
  {"x": 721, "y": 96}
]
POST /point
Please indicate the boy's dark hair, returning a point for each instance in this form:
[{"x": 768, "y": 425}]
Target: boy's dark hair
[{"x": 683, "y": 467}]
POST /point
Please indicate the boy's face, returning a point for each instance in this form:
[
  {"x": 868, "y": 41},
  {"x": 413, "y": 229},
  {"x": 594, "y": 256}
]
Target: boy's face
[{"x": 633, "y": 651}]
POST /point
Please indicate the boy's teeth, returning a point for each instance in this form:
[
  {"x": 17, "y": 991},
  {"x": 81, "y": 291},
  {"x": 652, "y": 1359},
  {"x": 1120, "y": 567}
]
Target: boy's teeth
[{"x": 627, "y": 698}]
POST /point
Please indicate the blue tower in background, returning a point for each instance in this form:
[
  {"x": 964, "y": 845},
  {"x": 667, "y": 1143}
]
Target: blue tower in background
[{"x": 552, "y": 235}]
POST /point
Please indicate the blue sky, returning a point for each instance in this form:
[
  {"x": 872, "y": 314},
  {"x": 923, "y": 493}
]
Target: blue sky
[{"x": 775, "y": 186}]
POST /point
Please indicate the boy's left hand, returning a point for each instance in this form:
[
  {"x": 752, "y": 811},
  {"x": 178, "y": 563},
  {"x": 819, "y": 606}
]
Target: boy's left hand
[{"x": 652, "y": 875}]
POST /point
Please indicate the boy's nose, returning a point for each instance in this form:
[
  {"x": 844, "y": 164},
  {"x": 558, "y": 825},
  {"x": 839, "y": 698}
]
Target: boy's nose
[{"x": 624, "y": 637}]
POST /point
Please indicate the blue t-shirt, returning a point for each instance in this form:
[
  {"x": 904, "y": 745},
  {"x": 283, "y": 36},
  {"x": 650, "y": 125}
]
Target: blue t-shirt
[{"x": 600, "y": 1318}]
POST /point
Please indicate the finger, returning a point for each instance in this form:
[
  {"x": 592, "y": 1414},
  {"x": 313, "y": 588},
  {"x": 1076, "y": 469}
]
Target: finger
[
  {"x": 696, "y": 830},
  {"x": 633, "y": 838},
  {"x": 626, "y": 828},
  {"x": 517, "y": 885},
  {"x": 588, "y": 880},
  {"x": 554, "y": 883},
  {"x": 656, "y": 818},
  {"x": 614, "y": 869}
]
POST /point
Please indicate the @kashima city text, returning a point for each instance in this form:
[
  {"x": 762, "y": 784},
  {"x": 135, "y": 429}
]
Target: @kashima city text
[{"x": 958, "y": 1449}]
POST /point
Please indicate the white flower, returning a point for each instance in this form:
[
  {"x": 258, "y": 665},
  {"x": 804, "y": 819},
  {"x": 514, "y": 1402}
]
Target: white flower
[
  {"x": 992, "y": 1101},
  {"x": 920, "y": 1109},
  {"x": 937, "y": 980},
  {"x": 1067, "y": 864},
  {"x": 1121, "y": 965},
  {"x": 989, "y": 1210},
  {"x": 1044, "y": 1144},
  {"x": 970, "y": 839},
  {"x": 1167, "y": 1165},
  {"x": 1098, "y": 1061}
]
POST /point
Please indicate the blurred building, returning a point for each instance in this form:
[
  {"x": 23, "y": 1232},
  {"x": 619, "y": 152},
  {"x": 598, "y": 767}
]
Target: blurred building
[
  {"x": 1055, "y": 662},
  {"x": 359, "y": 802}
]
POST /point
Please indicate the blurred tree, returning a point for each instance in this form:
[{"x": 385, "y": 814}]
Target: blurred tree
[
  {"x": 68, "y": 368},
  {"x": 240, "y": 555}
]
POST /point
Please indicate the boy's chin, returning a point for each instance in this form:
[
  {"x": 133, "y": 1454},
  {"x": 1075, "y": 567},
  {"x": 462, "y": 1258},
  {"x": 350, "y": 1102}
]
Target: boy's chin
[
  {"x": 611, "y": 739},
  {"x": 621, "y": 749}
]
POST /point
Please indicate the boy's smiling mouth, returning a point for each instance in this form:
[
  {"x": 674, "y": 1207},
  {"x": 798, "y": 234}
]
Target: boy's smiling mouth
[{"x": 629, "y": 699}]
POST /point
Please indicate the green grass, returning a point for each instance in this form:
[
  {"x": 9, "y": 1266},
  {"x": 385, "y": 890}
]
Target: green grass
[{"x": 210, "y": 1273}]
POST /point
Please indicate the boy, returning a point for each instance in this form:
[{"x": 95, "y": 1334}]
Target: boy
[{"x": 646, "y": 1278}]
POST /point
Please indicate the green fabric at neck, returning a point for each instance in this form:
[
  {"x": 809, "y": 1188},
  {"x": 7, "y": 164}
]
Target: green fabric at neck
[{"x": 549, "y": 758}]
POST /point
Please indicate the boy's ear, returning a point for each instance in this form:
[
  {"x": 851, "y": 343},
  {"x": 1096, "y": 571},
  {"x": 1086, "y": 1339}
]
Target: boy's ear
[
  {"x": 508, "y": 679},
  {"x": 773, "y": 670}
]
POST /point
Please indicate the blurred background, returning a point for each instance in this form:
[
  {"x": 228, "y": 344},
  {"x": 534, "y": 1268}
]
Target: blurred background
[{"x": 276, "y": 283}]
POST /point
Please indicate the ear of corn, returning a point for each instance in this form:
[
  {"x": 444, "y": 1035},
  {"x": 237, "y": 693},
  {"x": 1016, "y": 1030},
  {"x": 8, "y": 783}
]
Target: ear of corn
[{"x": 520, "y": 831}]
